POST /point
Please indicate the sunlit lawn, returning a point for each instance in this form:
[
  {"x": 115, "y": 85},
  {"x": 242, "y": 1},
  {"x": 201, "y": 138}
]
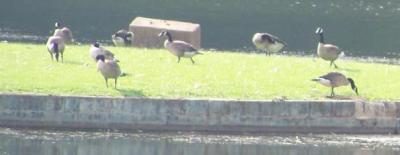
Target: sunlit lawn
[{"x": 156, "y": 73}]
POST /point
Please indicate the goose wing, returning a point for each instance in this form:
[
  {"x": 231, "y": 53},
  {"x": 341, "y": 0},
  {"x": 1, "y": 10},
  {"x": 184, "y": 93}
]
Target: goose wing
[
  {"x": 182, "y": 46},
  {"x": 272, "y": 39},
  {"x": 332, "y": 48},
  {"x": 337, "y": 79}
]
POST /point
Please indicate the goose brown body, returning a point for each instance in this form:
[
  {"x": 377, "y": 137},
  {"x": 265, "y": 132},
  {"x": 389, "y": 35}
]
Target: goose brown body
[
  {"x": 328, "y": 52},
  {"x": 63, "y": 32},
  {"x": 336, "y": 79},
  {"x": 179, "y": 48},
  {"x": 96, "y": 50},
  {"x": 55, "y": 46},
  {"x": 109, "y": 69}
]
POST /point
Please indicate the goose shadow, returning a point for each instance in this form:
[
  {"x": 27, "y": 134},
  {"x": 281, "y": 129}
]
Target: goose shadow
[
  {"x": 131, "y": 93},
  {"x": 349, "y": 69},
  {"x": 342, "y": 97},
  {"x": 73, "y": 62}
]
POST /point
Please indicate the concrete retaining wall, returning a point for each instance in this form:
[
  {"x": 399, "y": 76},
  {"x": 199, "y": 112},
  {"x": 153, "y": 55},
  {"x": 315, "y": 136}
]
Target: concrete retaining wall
[{"x": 71, "y": 112}]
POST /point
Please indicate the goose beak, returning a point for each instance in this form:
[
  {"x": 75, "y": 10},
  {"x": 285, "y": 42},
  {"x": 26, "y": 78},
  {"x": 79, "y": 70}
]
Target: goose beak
[{"x": 160, "y": 34}]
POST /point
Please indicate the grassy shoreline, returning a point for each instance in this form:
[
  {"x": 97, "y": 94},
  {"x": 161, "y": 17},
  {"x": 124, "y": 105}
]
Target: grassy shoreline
[{"x": 155, "y": 73}]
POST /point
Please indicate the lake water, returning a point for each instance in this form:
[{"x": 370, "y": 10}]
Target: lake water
[
  {"x": 360, "y": 27},
  {"x": 21, "y": 142}
]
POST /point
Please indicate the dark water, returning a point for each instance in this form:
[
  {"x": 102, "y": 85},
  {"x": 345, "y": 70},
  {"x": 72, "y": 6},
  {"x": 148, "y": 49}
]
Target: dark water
[
  {"x": 361, "y": 27},
  {"x": 20, "y": 142}
]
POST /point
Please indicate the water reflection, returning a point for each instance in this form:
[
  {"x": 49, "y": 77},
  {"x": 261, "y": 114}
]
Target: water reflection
[{"x": 98, "y": 143}]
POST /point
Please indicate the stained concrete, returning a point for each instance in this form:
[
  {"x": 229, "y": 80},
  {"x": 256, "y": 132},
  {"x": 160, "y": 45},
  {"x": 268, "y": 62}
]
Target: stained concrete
[{"x": 130, "y": 114}]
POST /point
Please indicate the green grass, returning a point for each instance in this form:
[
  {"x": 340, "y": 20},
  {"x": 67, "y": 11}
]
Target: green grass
[{"x": 155, "y": 73}]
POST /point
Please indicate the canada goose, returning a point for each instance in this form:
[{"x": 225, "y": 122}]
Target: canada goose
[
  {"x": 108, "y": 68},
  {"x": 179, "y": 48},
  {"x": 96, "y": 50},
  {"x": 327, "y": 52},
  {"x": 335, "y": 79},
  {"x": 268, "y": 42},
  {"x": 55, "y": 45},
  {"x": 122, "y": 38},
  {"x": 63, "y": 32}
]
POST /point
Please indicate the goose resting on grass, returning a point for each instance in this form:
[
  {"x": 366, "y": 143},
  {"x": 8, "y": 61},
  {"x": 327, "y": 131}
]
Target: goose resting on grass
[
  {"x": 268, "y": 42},
  {"x": 122, "y": 38}
]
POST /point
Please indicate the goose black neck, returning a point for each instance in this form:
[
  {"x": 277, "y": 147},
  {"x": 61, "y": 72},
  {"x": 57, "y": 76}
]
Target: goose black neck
[
  {"x": 321, "y": 38},
  {"x": 169, "y": 37},
  {"x": 353, "y": 85}
]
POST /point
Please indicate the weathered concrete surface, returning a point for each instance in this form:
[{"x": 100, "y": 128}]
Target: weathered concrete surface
[
  {"x": 71, "y": 112},
  {"x": 146, "y": 32}
]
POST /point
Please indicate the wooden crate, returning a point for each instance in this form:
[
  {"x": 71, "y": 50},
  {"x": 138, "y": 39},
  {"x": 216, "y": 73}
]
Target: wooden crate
[{"x": 146, "y": 32}]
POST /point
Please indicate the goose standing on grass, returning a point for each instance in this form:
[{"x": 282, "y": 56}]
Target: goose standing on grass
[
  {"x": 122, "y": 38},
  {"x": 55, "y": 45},
  {"x": 109, "y": 69},
  {"x": 268, "y": 42},
  {"x": 335, "y": 79},
  {"x": 63, "y": 32},
  {"x": 96, "y": 50},
  {"x": 179, "y": 48},
  {"x": 327, "y": 52}
]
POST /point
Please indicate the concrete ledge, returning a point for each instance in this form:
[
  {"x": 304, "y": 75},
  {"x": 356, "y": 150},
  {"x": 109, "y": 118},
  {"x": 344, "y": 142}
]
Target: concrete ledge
[{"x": 74, "y": 112}]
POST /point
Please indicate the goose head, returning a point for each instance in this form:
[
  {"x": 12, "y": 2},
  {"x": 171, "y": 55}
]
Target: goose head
[
  {"x": 96, "y": 44},
  {"x": 57, "y": 25},
  {"x": 164, "y": 33},
  {"x": 319, "y": 31},
  {"x": 100, "y": 58}
]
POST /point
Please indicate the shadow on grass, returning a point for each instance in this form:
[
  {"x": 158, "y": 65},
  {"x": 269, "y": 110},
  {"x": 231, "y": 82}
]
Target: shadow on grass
[
  {"x": 73, "y": 62},
  {"x": 348, "y": 69},
  {"x": 131, "y": 93},
  {"x": 341, "y": 97}
]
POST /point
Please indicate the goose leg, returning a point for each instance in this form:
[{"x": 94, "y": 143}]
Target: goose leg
[
  {"x": 62, "y": 57},
  {"x": 332, "y": 92},
  {"x": 192, "y": 60},
  {"x": 115, "y": 83},
  {"x": 179, "y": 59},
  {"x": 106, "y": 82},
  {"x": 334, "y": 64},
  {"x": 51, "y": 56}
]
